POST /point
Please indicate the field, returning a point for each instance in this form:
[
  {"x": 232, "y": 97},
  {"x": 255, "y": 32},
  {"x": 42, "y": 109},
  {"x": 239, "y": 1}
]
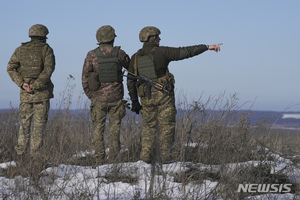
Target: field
[{"x": 217, "y": 149}]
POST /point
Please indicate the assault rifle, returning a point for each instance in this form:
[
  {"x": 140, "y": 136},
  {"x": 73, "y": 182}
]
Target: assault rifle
[{"x": 147, "y": 81}]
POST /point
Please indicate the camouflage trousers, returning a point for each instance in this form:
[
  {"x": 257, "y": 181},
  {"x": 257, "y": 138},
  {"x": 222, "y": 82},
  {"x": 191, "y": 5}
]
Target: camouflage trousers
[
  {"x": 38, "y": 113},
  {"x": 159, "y": 119},
  {"x": 99, "y": 110}
]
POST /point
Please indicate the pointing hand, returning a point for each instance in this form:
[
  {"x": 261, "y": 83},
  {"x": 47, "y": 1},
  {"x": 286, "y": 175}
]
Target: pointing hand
[{"x": 215, "y": 47}]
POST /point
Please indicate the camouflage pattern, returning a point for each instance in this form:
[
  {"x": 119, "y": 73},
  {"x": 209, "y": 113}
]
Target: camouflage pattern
[
  {"x": 106, "y": 100},
  {"x": 159, "y": 111},
  {"x": 33, "y": 63},
  {"x": 38, "y": 112},
  {"x": 31, "y": 60},
  {"x": 99, "y": 110},
  {"x": 105, "y": 34},
  {"x": 148, "y": 31},
  {"x": 41, "y": 84},
  {"x": 107, "y": 92},
  {"x": 93, "y": 81},
  {"x": 38, "y": 30}
]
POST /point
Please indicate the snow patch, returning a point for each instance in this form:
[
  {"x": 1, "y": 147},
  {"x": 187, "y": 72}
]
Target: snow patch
[{"x": 294, "y": 116}]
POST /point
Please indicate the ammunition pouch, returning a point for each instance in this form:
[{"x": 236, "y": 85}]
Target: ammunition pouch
[
  {"x": 168, "y": 81},
  {"x": 144, "y": 90},
  {"x": 140, "y": 89},
  {"x": 93, "y": 81}
]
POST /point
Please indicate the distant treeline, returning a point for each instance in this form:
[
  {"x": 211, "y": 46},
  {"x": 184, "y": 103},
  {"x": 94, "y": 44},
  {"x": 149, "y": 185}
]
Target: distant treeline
[{"x": 271, "y": 117}]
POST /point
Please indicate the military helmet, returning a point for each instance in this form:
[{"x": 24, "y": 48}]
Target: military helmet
[
  {"x": 38, "y": 30},
  {"x": 148, "y": 31},
  {"x": 105, "y": 34}
]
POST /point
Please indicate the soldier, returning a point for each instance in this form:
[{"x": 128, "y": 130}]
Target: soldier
[
  {"x": 31, "y": 67},
  {"x": 102, "y": 81},
  {"x": 158, "y": 107}
]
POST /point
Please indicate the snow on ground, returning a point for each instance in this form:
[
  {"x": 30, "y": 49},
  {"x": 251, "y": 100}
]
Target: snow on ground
[
  {"x": 293, "y": 116},
  {"x": 7, "y": 164},
  {"x": 68, "y": 180},
  {"x": 80, "y": 182}
]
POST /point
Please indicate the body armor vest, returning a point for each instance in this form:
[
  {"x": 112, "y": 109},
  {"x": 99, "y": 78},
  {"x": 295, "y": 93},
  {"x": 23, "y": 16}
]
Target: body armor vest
[
  {"x": 109, "y": 68},
  {"x": 31, "y": 60},
  {"x": 145, "y": 64}
]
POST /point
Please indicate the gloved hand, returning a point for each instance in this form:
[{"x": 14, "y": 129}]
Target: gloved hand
[{"x": 136, "y": 106}]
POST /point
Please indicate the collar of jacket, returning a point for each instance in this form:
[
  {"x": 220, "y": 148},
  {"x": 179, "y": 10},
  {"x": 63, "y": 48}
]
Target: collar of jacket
[
  {"x": 105, "y": 45},
  {"x": 149, "y": 45},
  {"x": 34, "y": 41}
]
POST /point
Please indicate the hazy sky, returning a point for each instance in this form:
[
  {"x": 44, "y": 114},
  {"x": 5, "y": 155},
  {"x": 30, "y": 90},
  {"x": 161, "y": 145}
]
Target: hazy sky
[{"x": 259, "y": 58}]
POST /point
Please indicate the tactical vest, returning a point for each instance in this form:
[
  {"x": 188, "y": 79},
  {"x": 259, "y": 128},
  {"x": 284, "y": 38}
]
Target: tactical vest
[
  {"x": 109, "y": 68},
  {"x": 31, "y": 59},
  {"x": 145, "y": 64}
]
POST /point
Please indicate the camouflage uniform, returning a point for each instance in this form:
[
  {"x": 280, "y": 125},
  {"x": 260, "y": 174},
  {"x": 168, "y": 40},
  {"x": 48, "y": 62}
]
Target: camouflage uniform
[
  {"x": 107, "y": 99},
  {"x": 33, "y": 63},
  {"x": 158, "y": 108}
]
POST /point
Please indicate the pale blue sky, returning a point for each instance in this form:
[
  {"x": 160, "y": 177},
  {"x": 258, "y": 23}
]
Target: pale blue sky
[{"x": 259, "y": 58}]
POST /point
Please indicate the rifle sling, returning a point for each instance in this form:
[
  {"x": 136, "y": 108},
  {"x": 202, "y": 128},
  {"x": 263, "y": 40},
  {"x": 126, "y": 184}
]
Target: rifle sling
[{"x": 134, "y": 65}]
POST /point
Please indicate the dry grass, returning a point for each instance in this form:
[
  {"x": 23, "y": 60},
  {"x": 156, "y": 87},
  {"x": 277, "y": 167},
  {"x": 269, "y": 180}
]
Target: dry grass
[{"x": 214, "y": 132}]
